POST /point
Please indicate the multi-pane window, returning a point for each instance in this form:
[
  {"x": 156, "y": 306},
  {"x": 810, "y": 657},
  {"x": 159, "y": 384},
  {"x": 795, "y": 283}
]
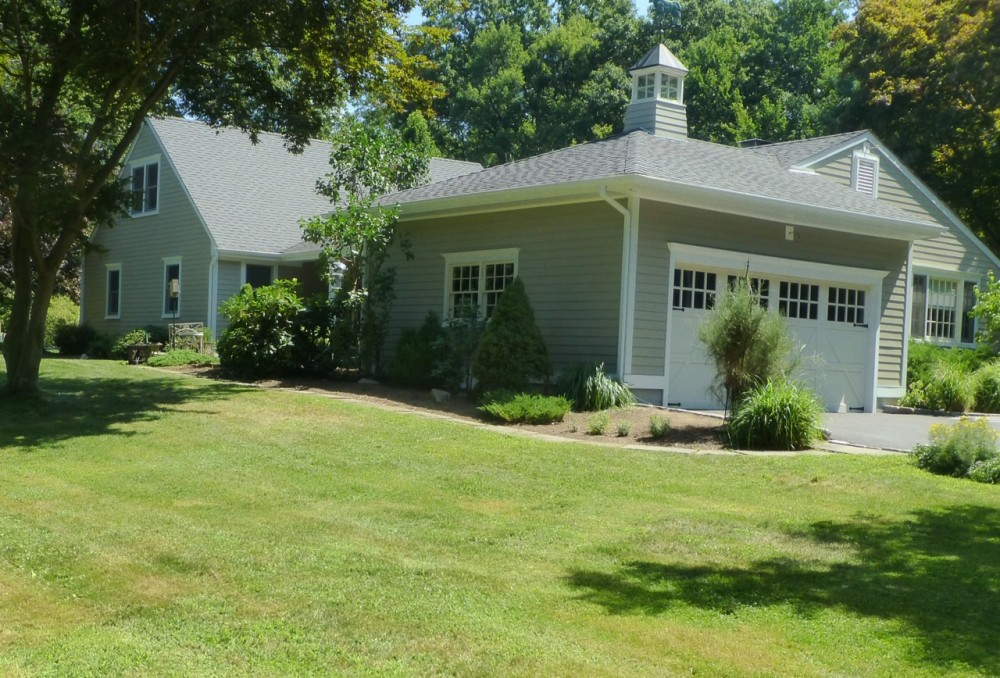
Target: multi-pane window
[
  {"x": 846, "y": 305},
  {"x": 645, "y": 85},
  {"x": 145, "y": 187},
  {"x": 670, "y": 88},
  {"x": 113, "y": 307},
  {"x": 760, "y": 286},
  {"x": 171, "y": 288},
  {"x": 258, "y": 275},
  {"x": 798, "y": 300},
  {"x": 942, "y": 304},
  {"x": 475, "y": 289},
  {"x": 693, "y": 289}
]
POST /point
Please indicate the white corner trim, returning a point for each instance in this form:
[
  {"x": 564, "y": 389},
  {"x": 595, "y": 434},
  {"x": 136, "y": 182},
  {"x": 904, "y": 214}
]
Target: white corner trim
[
  {"x": 213, "y": 292},
  {"x": 759, "y": 263}
]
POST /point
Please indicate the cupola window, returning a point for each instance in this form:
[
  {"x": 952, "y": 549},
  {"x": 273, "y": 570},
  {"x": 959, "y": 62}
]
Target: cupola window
[
  {"x": 670, "y": 88},
  {"x": 645, "y": 86}
]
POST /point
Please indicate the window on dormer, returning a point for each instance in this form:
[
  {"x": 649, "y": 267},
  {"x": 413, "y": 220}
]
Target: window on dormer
[
  {"x": 670, "y": 88},
  {"x": 645, "y": 85}
]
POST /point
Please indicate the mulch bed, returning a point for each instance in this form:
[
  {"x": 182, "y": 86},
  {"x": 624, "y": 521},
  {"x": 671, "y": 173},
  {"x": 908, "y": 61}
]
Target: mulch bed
[{"x": 687, "y": 430}]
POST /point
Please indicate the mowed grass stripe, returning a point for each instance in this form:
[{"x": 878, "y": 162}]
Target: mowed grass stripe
[{"x": 159, "y": 524}]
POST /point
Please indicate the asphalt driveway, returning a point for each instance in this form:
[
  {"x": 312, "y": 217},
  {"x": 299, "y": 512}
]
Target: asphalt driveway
[{"x": 886, "y": 431}]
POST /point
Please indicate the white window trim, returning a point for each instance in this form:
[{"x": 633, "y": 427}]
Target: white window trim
[
  {"x": 107, "y": 271},
  {"x": 142, "y": 162},
  {"x": 476, "y": 258},
  {"x": 866, "y": 155},
  {"x": 169, "y": 261},
  {"x": 661, "y": 83},
  {"x": 243, "y": 270},
  {"x": 948, "y": 276}
]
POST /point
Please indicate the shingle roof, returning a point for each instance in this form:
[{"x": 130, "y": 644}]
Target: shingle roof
[
  {"x": 789, "y": 153},
  {"x": 252, "y": 196},
  {"x": 683, "y": 161},
  {"x": 659, "y": 56}
]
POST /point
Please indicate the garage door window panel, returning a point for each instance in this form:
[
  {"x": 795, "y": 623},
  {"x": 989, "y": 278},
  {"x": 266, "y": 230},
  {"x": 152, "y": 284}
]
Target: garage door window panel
[
  {"x": 798, "y": 300},
  {"x": 846, "y": 305},
  {"x": 693, "y": 289},
  {"x": 760, "y": 286}
]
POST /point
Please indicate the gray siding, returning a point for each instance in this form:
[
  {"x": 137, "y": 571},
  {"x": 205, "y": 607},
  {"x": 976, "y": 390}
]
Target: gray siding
[
  {"x": 953, "y": 250},
  {"x": 230, "y": 277},
  {"x": 139, "y": 245},
  {"x": 569, "y": 260},
  {"x": 660, "y": 223},
  {"x": 662, "y": 118}
]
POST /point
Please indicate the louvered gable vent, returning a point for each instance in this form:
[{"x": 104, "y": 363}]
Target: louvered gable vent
[{"x": 866, "y": 176}]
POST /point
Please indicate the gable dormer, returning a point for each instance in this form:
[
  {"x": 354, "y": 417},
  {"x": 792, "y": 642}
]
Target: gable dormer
[{"x": 657, "y": 104}]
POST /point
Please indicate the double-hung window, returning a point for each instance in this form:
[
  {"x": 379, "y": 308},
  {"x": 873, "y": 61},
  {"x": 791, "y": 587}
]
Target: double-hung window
[
  {"x": 941, "y": 309},
  {"x": 171, "y": 287},
  {"x": 113, "y": 299},
  {"x": 258, "y": 275},
  {"x": 145, "y": 175},
  {"x": 475, "y": 281}
]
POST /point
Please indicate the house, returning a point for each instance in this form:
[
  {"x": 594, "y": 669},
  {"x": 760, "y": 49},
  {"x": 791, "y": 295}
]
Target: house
[
  {"x": 625, "y": 243},
  {"x": 210, "y": 212}
]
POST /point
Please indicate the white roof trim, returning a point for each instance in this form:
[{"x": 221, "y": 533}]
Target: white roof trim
[{"x": 868, "y": 136}]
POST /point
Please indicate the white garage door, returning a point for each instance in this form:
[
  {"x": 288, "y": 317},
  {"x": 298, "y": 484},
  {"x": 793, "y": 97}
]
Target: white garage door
[{"x": 828, "y": 320}]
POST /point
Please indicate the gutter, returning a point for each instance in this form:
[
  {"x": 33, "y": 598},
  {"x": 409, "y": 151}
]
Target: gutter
[{"x": 625, "y": 302}]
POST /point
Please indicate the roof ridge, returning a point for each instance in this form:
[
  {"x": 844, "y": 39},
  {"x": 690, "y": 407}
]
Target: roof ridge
[
  {"x": 226, "y": 128},
  {"x": 807, "y": 139}
]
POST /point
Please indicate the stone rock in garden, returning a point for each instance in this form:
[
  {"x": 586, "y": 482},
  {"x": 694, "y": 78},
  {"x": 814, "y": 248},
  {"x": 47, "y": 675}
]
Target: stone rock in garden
[
  {"x": 367, "y": 381},
  {"x": 440, "y": 396}
]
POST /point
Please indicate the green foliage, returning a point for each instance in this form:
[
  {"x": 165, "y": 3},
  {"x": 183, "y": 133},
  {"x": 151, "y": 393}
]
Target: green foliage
[
  {"x": 158, "y": 334},
  {"x": 987, "y": 471},
  {"x": 529, "y": 408},
  {"x": 947, "y": 379},
  {"x": 367, "y": 161},
  {"x": 987, "y": 384},
  {"x": 591, "y": 389},
  {"x": 749, "y": 344},
  {"x": 74, "y": 339},
  {"x": 775, "y": 415},
  {"x": 180, "y": 356},
  {"x": 511, "y": 351},
  {"x": 952, "y": 450},
  {"x": 987, "y": 311},
  {"x": 659, "y": 427},
  {"x": 137, "y": 336},
  {"x": 262, "y": 323},
  {"x": 598, "y": 424},
  {"x": 416, "y": 354},
  {"x": 455, "y": 349},
  {"x": 62, "y": 311},
  {"x": 623, "y": 428}
]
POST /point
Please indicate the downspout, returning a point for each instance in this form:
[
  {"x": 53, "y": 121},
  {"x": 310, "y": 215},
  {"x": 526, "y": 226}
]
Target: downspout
[{"x": 624, "y": 301}]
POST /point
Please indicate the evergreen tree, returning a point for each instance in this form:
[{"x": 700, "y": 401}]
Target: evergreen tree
[{"x": 512, "y": 351}]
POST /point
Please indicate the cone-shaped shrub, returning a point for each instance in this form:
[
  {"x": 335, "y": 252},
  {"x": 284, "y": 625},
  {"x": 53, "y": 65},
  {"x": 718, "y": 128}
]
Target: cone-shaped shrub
[{"x": 511, "y": 351}]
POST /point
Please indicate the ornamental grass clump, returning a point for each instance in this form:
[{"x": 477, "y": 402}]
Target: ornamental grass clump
[
  {"x": 592, "y": 390},
  {"x": 987, "y": 387},
  {"x": 659, "y": 427},
  {"x": 953, "y": 450},
  {"x": 776, "y": 415}
]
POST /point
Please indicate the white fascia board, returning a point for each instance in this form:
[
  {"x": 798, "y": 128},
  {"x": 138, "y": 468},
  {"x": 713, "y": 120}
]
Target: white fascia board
[
  {"x": 180, "y": 180},
  {"x": 269, "y": 257},
  {"x": 783, "y": 211},
  {"x": 760, "y": 263},
  {"x": 869, "y": 136}
]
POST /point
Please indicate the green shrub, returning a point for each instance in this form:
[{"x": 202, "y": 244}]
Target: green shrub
[
  {"x": 138, "y": 336},
  {"x": 986, "y": 471},
  {"x": 180, "y": 356},
  {"x": 942, "y": 378},
  {"x": 512, "y": 351},
  {"x": 624, "y": 428},
  {"x": 987, "y": 384},
  {"x": 159, "y": 334},
  {"x": 262, "y": 325},
  {"x": 416, "y": 355},
  {"x": 454, "y": 350},
  {"x": 62, "y": 311},
  {"x": 659, "y": 427},
  {"x": 528, "y": 408},
  {"x": 952, "y": 450},
  {"x": 748, "y": 343},
  {"x": 74, "y": 339},
  {"x": 598, "y": 424},
  {"x": 951, "y": 387},
  {"x": 591, "y": 389},
  {"x": 100, "y": 346},
  {"x": 776, "y": 415}
]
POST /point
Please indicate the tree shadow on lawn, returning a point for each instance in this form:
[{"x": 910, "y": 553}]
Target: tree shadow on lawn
[
  {"x": 73, "y": 407},
  {"x": 937, "y": 573}
]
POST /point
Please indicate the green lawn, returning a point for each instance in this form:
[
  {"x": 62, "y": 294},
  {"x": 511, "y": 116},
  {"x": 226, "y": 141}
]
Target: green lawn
[{"x": 157, "y": 524}]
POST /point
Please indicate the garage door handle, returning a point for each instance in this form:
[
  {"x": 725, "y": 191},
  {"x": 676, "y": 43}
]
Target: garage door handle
[{"x": 861, "y": 324}]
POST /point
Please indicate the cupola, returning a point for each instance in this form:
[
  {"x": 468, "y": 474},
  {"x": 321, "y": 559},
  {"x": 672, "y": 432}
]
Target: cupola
[{"x": 657, "y": 104}]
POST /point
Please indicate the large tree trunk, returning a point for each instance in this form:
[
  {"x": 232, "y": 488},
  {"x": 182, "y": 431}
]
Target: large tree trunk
[{"x": 23, "y": 344}]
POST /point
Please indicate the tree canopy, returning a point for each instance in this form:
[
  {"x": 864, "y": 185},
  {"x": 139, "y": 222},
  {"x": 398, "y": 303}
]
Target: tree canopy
[{"x": 77, "y": 80}]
